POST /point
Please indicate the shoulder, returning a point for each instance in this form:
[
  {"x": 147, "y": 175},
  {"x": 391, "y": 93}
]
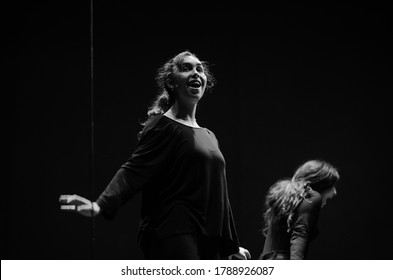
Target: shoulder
[
  {"x": 211, "y": 133},
  {"x": 158, "y": 126},
  {"x": 152, "y": 122}
]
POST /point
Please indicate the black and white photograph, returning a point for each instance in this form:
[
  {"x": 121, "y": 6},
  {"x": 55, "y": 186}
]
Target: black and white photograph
[{"x": 201, "y": 134}]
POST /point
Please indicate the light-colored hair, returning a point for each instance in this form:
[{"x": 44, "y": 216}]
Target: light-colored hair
[
  {"x": 319, "y": 174},
  {"x": 284, "y": 196}
]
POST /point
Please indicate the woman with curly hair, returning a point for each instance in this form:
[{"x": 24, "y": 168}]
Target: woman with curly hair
[
  {"x": 292, "y": 208},
  {"x": 179, "y": 169}
]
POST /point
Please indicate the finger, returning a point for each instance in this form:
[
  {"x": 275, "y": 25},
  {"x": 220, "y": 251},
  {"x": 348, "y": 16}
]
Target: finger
[
  {"x": 74, "y": 198},
  {"x": 243, "y": 256},
  {"x": 68, "y": 207},
  {"x": 78, "y": 198},
  {"x": 82, "y": 199},
  {"x": 67, "y": 198},
  {"x": 248, "y": 255},
  {"x": 64, "y": 198},
  {"x": 84, "y": 207}
]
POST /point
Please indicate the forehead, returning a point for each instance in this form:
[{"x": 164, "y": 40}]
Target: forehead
[{"x": 188, "y": 59}]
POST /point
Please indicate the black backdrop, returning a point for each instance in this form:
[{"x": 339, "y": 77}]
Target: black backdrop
[{"x": 292, "y": 86}]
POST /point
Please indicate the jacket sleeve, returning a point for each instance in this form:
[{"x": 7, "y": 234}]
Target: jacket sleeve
[
  {"x": 305, "y": 220},
  {"x": 137, "y": 173}
]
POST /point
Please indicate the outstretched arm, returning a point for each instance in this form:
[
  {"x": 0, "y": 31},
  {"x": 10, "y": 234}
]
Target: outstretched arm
[{"x": 79, "y": 204}]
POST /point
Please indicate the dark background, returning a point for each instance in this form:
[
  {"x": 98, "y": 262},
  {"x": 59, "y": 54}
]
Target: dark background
[{"x": 292, "y": 85}]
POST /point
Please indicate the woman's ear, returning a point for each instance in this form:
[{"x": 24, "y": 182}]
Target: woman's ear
[{"x": 169, "y": 81}]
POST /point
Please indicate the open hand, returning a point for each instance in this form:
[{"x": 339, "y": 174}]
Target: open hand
[{"x": 79, "y": 204}]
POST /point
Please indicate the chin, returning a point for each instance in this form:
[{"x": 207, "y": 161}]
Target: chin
[{"x": 196, "y": 95}]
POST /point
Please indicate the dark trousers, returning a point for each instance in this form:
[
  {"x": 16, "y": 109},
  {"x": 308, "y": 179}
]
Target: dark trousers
[{"x": 180, "y": 247}]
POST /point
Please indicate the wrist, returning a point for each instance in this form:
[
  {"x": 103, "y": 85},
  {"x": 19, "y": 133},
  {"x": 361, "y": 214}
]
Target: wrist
[{"x": 96, "y": 208}]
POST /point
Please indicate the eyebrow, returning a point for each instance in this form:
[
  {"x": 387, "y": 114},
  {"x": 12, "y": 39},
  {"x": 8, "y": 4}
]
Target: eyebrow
[
  {"x": 198, "y": 63},
  {"x": 190, "y": 63}
]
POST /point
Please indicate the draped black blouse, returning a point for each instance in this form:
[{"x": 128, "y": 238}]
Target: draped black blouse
[{"x": 180, "y": 171}]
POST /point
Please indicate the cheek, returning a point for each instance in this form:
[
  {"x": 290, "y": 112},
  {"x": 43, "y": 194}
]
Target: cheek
[
  {"x": 204, "y": 80},
  {"x": 180, "y": 78},
  {"x": 331, "y": 195}
]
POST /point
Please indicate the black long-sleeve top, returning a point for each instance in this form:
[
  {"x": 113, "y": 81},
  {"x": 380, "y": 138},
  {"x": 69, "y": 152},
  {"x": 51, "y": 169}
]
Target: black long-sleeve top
[
  {"x": 295, "y": 243},
  {"x": 181, "y": 173}
]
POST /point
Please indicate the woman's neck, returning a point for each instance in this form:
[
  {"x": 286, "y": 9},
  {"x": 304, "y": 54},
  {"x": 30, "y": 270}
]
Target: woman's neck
[{"x": 186, "y": 117}]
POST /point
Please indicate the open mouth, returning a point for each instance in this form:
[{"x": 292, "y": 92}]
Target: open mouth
[{"x": 194, "y": 84}]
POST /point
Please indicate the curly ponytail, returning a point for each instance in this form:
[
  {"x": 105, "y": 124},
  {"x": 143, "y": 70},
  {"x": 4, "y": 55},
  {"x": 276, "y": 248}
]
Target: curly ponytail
[{"x": 282, "y": 199}]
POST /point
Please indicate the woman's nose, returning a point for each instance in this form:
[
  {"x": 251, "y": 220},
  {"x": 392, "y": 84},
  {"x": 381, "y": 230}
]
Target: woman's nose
[{"x": 195, "y": 73}]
